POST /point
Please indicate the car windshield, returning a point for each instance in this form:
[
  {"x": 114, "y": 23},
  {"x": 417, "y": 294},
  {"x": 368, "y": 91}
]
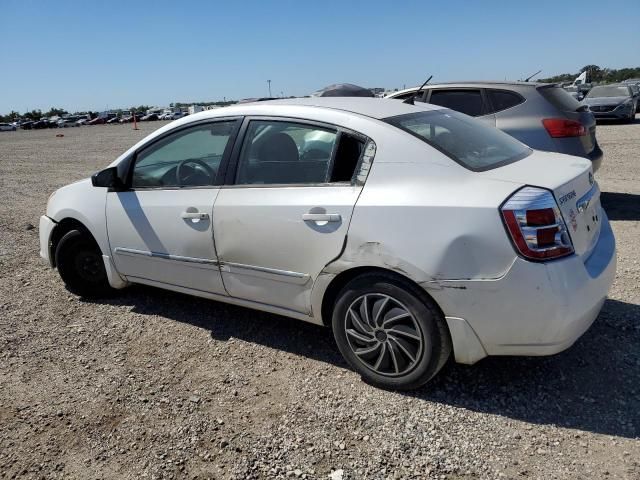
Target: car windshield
[
  {"x": 463, "y": 139},
  {"x": 608, "y": 91}
]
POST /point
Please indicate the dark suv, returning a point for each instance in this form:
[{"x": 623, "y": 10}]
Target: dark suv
[{"x": 541, "y": 115}]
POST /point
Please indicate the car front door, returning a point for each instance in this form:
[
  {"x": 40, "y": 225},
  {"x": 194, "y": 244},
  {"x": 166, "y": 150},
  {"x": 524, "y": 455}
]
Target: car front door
[
  {"x": 470, "y": 101},
  {"x": 285, "y": 213},
  {"x": 160, "y": 228}
]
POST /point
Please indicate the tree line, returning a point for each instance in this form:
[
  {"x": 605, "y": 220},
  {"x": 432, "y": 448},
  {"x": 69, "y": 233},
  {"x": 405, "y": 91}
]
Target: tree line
[{"x": 596, "y": 74}]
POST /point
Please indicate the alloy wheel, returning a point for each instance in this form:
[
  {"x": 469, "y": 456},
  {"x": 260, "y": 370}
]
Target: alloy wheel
[{"x": 383, "y": 334}]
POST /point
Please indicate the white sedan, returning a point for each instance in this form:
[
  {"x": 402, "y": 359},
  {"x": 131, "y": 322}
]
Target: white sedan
[{"x": 414, "y": 231}]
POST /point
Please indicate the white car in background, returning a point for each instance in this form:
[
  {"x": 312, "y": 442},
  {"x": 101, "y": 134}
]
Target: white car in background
[
  {"x": 414, "y": 231},
  {"x": 68, "y": 122},
  {"x": 7, "y": 127},
  {"x": 171, "y": 116},
  {"x": 82, "y": 120}
]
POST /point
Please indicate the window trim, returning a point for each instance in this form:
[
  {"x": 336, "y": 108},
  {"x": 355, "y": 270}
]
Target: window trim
[
  {"x": 132, "y": 159},
  {"x": 234, "y": 160}
]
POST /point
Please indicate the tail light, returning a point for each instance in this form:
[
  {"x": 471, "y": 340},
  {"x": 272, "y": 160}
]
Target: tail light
[
  {"x": 533, "y": 220},
  {"x": 561, "y": 127}
]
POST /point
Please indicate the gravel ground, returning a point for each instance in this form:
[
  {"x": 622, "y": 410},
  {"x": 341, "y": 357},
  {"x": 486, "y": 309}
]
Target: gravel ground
[{"x": 152, "y": 384}]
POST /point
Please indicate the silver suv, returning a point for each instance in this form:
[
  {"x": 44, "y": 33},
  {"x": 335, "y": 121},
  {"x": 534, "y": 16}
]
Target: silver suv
[{"x": 541, "y": 115}]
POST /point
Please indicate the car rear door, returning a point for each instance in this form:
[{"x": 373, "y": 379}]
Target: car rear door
[
  {"x": 470, "y": 101},
  {"x": 160, "y": 229},
  {"x": 285, "y": 211}
]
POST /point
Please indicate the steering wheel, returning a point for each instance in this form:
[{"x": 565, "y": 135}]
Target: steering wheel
[{"x": 184, "y": 177}]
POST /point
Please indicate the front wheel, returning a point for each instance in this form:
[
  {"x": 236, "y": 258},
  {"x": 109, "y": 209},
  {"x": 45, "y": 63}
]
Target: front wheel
[
  {"x": 80, "y": 265},
  {"x": 390, "y": 332}
]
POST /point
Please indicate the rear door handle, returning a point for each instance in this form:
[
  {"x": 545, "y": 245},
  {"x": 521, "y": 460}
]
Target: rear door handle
[
  {"x": 321, "y": 217},
  {"x": 194, "y": 215}
]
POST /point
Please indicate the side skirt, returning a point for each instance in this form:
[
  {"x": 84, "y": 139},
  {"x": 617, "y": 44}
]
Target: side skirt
[{"x": 226, "y": 299}]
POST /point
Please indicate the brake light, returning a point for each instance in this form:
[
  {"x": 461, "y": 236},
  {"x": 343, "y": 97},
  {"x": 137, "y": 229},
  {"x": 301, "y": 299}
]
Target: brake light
[
  {"x": 533, "y": 220},
  {"x": 561, "y": 127}
]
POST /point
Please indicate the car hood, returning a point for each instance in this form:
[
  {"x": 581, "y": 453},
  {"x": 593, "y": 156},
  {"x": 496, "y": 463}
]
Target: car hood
[{"x": 605, "y": 100}]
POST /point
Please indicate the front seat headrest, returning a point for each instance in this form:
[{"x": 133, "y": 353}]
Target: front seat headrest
[{"x": 278, "y": 148}]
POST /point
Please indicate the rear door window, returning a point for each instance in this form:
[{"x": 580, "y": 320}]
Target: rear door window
[
  {"x": 276, "y": 152},
  {"x": 467, "y": 101},
  {"x": 502, "y": 99}
]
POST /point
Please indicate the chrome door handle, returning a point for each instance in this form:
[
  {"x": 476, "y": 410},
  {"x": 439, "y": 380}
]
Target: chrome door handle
[
  {"x": 194, "y": 215},
  {"x": 321, "y": 217}
]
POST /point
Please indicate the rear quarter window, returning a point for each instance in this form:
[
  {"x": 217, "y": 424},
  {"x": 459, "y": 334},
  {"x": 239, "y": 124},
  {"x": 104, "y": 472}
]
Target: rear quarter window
[{"x": 503, "y": 99}]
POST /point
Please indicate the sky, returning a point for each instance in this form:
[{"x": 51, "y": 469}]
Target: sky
[{"x": 94, "y": 55}]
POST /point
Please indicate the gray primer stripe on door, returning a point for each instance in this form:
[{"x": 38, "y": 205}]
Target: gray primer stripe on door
[
  {"x": 164, "y": 256},
  {"x": 271, "y": 273}
]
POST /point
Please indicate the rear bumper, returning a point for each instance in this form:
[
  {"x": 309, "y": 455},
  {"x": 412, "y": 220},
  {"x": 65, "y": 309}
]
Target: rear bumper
[
  {"x": 610, "y": 116},
  {"x": 45, "y": 229},
  {"x": 535, "y": 308}
]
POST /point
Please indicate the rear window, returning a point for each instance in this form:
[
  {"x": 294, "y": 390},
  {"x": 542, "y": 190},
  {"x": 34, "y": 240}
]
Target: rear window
[
  {"x": 560, "y": 98},
  {"x": 466, "y": 141}
]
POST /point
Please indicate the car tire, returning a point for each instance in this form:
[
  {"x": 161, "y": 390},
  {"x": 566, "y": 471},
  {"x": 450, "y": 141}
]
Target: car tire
[
  {"x": 390, "y": 331},
  {"x": 80, "y": 265},
  {"x": 630, "y": 118}
]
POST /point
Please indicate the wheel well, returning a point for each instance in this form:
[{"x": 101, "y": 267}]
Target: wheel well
[
  {"x": 338, "y": 283},
  {"x": 62, "y": 228}
]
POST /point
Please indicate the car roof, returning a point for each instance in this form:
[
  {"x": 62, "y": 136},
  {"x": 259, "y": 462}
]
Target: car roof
[
  {"x": 479, "y": 84},
  {"x": 377, "y": 108},
  {"x": 338, "y": 110}
]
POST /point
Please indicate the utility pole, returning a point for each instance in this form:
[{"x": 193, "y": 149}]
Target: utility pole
[{"x": 269, "y": 82}]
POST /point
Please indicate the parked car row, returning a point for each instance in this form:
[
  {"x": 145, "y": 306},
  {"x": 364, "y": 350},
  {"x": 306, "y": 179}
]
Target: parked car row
[{"x": 80, "y": 120}]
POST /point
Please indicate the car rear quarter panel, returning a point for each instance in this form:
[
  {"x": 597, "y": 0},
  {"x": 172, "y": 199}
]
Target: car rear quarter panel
[
  {"x": 524, "y": 121},
  {"x": 427, "y": 218}
]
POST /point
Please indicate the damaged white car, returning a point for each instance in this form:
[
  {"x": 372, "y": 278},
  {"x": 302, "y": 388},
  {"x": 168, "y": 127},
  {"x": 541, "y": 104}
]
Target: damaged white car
[{"x": 414, "y": 231}]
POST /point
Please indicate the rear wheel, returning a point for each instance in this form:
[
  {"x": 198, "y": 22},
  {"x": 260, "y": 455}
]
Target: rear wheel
[
  {"x": 80, "y": 265},
  {"x": 390, "y": 332}
]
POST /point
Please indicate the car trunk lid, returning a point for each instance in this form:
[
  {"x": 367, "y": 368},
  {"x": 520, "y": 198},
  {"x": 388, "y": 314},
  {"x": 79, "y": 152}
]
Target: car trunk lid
[{"x": 571, "y": 181}]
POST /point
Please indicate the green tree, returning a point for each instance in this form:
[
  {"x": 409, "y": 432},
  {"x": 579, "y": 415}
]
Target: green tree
[{"x": 55, "y": 112}]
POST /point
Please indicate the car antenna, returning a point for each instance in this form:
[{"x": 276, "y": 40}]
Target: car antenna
[
  {"x": 412, "y": 97},
  {"x": 531, "y": 76}
]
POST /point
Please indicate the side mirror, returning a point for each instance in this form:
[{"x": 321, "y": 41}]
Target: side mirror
[{"x": 107, "y": 178}]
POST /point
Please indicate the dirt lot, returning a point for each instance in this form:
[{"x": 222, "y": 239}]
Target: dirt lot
[{"x": 152, "y": 384}]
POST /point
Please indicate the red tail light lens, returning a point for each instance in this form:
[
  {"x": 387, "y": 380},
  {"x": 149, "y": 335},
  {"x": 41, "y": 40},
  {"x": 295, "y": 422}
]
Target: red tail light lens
[
  {"x": 561, "y": 127},
  {"x": 533, "y": 220}
]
